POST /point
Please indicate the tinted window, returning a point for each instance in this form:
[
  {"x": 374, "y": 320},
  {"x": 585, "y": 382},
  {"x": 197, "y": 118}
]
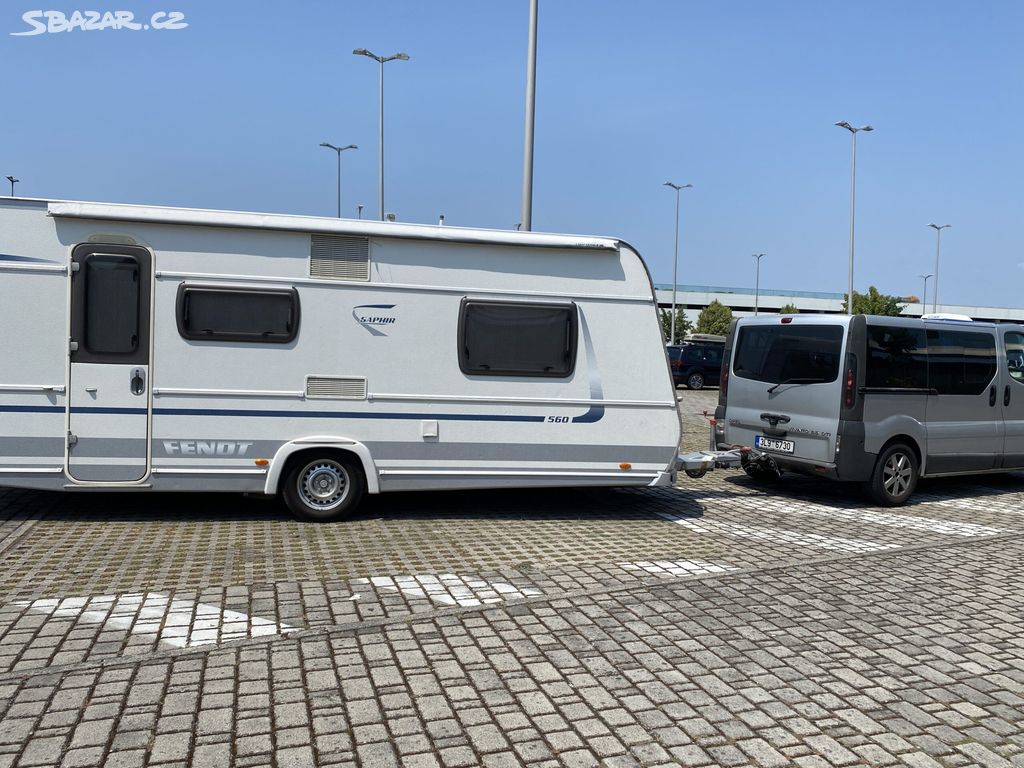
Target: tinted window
[
  {"x": 776, "y": 353},
  {"x": 517, "y": 339},
  {"x": 960, "y": 362},
  {"x": 897, "y": 358},
  {"x": 228, "y": 314},
  {"x": 1015, "y": 354},
  {"x": 692, "y": 354},
  {"x": 713, "y": 355},
  {"x": 111, "y": 304}
]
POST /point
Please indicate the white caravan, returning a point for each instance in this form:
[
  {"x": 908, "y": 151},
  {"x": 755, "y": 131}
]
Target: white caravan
[{"x": 195, "y": 350}]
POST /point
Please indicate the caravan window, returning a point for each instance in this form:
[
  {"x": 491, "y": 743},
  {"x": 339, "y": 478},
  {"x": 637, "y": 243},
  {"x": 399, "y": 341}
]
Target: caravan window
[
  {"x": 268, "y": 316},
  {"x": 111, "y": 304},
  {"x": 517, "y": 339}
]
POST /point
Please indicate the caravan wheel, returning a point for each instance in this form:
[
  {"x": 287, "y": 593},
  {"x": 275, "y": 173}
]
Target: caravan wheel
[{"x": 324, "y": 488}]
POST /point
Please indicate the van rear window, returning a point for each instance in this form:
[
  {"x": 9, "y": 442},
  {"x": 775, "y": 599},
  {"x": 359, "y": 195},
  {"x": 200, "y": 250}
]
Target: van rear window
[{"x": 777, "y": 353}]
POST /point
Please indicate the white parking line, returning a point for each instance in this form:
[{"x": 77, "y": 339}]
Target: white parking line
[
  {"x": 175, "y": 622},
  {"x": 873, "y": 516},
  {"x": 676, "y": 567},
  {"x": 450, "y": 589},
  {"x": 776, "y": 535}
]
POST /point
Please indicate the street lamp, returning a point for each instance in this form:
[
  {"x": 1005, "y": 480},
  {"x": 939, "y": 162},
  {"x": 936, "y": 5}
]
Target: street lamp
[
  {"x": 531, "y": 101},
  {"x": 938, "y": 244},
  {"x": 339, "y": 150},
  {"x": 924, "y": 296},
  {"x": 675, "y": 262},
  {"x": 13, "y": 182},
  {"x": 757, "y": 281},
  {"x": 382, "y": 60},
  {"x": 853, "y": 197}
]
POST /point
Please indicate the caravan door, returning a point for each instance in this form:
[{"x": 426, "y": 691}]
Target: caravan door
[{"x": 108, "y": 420}]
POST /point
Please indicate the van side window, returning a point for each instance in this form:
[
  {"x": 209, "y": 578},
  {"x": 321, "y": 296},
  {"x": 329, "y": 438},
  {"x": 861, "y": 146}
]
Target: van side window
[
  {"x": 897, "y": 358},
  {"x": 960, "y": 362},
  {"x": 258, "y": 316},
  {"x": 517, "y": 338},
  {"x": 1015, "y": 355}
]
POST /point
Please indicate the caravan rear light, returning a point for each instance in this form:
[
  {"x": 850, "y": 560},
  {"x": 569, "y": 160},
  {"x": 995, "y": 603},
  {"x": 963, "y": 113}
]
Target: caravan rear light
[{"x": 787, "y": 320}]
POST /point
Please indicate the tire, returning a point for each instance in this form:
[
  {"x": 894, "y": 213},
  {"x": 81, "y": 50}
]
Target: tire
[
  {"x": 695, "y": 381},
  {"x": 894, "y": 477},
  {"x": 324, "y": 487}
]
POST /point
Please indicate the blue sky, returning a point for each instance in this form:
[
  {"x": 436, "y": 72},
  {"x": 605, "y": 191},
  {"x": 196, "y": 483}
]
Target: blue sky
[{"x": 737, "y": 98}]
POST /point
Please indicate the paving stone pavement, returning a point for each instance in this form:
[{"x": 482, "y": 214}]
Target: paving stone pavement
[{"x": 718, "y": 623}]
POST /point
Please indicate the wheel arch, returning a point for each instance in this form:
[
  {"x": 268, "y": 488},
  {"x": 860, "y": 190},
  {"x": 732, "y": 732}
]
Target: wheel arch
[
  {"x": 911, "y": 443},
  {"x": 321, "y": 442}
]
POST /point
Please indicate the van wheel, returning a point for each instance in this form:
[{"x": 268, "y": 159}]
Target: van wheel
[
  {"x": 695, "y": 381},
  {"x": 324, "y": 488},
  {"x": 895, "y": 476}
]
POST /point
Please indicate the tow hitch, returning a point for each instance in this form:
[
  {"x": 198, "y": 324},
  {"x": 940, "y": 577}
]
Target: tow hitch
[{"x": 698, "y": 464}]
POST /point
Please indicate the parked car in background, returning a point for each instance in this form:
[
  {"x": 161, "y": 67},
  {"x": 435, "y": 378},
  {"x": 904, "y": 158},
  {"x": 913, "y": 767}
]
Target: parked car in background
[{"x": 697, "y": 362}]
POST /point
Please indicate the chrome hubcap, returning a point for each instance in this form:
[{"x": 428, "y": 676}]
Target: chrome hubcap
[
  {"x": 896, "y": 474},
  {"x": 323, "y": 484}
]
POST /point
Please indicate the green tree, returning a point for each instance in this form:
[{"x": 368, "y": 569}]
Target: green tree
[
  {"x": 683, "y": 326},
  {"x": 789, "y": 309},
  {"x": 714, "y": 318},
  {"x": 875, "y": 303}
]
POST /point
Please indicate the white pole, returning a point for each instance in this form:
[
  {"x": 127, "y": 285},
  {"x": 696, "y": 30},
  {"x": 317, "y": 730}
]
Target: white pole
[{"x": 526, "y": 218}]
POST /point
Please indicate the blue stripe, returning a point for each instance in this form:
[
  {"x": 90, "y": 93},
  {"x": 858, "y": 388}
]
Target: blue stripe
[
  {"x": 12, "y": 257},
  {"x": 342, "y": 415},
  {"x": 32, "y": 408},
  {"x": 595, "y": 413}
]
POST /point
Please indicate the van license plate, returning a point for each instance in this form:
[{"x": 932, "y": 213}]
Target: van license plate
[{"x": 772, "y": 444}]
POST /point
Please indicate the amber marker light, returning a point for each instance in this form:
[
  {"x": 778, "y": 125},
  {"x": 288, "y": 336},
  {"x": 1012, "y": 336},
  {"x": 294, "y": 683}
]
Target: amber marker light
[
  {"x": 261, "y": 462},
  {"x": 624, "y": 465}
]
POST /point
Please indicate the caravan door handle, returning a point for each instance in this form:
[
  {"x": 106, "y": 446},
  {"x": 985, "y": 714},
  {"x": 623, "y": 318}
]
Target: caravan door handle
[
  {"x": 1006, "y": 395},
  {"x": 992, "y": 395},
  {"x": 138, "y": 381}
]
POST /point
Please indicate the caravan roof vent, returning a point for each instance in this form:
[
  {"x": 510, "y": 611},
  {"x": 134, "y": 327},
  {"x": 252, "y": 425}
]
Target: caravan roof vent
[
  {"x": 336, "y": 387},
  {"x": 339, "y": 258}
]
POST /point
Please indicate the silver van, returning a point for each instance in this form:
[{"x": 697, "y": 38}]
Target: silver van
[{"x": 876, "y": 400}]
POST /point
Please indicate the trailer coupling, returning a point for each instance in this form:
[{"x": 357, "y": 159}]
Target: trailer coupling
[{"x": 698, "y": 463}]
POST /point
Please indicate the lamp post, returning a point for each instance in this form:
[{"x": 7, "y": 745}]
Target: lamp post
[
  {"x": 924, "y": 295},
  {"x": 531, "y": 100},
  {"x": 757, "y": 281},
  {"x": 938, "y": 245},
  {"x": 853, "y": 198},
  {"x": 13, "y": 182},
  {"x": 675, "y": 261},
  {"x": 382, "y": 60},
  {"x": 339, "y": 150}
]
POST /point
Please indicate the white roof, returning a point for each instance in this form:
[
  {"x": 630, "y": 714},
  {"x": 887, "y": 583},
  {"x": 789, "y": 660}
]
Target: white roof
[{"x": 203, "y": 217}]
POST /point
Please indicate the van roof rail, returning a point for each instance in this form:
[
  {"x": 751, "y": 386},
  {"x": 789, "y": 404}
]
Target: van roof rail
[
  {"x": 705, "y": 337},
  {"x": 948, "y": 316}
]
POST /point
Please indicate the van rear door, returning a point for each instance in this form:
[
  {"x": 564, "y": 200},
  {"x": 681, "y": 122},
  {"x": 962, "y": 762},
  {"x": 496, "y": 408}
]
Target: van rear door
[{"x": 785, "y": 387}]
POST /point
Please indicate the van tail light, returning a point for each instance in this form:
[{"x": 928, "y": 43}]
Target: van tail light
[
  {"x": 723, "y": 383},
  {"x": 850, "y": 383}
]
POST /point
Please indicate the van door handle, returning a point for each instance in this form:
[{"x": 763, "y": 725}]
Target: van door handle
[
  {"x": 1006, "y": 395},
  {"x": 992, "y": 395}
]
